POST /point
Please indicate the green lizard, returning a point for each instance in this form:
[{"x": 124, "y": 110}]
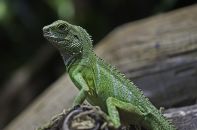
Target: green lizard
[{"x": 101, "y": 83}]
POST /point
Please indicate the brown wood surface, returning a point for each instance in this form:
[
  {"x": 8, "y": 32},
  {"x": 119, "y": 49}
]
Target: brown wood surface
[{"x": 158, "y": 54}]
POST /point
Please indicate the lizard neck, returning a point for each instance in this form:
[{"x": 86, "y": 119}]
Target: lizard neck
[
  {"x": 86, "y": 55},
  {"x": 68, "y": 58},
  {"x": 87, "y": 51},
  {"x": 87, "y": 47}
]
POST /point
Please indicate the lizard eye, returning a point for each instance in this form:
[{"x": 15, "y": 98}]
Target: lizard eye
[{"x": 62, "y": 27}]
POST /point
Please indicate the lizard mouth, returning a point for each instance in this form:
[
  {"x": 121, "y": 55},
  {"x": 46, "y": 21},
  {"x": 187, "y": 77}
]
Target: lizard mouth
[
  {"x": 52, "y": 39},
  {"x": 49, "y": 36}
]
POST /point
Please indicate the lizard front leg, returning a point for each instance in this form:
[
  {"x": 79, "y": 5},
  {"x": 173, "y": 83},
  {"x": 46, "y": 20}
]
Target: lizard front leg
[
  {"x": 113, "y": 104},
  {"x": 80, "y": 98},
  {"x": 79, "y": 80}
]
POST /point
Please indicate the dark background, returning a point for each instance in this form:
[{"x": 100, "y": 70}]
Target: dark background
[{"x": 28, "y": 64}]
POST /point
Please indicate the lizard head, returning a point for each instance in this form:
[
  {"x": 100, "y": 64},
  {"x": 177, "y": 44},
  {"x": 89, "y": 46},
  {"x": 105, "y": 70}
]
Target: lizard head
[
  {"x": 72, "y": 41},
  {"x": 66, "y": 37}
]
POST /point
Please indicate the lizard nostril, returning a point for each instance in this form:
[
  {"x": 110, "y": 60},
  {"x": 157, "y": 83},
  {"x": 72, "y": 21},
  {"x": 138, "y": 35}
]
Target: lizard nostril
[{"x": 46, "y": 29}]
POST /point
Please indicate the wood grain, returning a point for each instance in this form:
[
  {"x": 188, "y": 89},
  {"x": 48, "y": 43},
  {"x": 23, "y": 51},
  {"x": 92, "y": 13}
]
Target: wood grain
[
  {"x": 183, "y": 118},
  {"x": 159, "y": 54}
]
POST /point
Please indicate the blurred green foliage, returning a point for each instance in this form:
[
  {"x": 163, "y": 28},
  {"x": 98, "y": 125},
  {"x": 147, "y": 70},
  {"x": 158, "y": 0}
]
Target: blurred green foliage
[
  {"x": 3, "y": 11},
  {"x": 64, "y": 8}
]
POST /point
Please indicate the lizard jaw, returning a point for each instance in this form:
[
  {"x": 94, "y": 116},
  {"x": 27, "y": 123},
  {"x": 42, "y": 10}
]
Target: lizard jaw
[
  {"x": 50, "y": 36},
  {"x": 53, "y": 39}
]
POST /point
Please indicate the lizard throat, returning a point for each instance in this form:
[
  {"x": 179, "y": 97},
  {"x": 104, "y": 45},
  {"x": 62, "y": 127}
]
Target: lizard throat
[{"x": 68, "y": 59}]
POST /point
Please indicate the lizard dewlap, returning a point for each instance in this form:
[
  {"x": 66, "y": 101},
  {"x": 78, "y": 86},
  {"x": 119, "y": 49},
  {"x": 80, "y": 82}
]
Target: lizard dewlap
[{"x": 101, "y": 83}]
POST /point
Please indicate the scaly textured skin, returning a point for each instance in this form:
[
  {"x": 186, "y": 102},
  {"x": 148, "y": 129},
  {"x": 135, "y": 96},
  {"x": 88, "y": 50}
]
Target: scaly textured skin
[{"x": 100, "y": 83}]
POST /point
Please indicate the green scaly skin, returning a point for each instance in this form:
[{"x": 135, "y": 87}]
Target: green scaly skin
[{"x": 100, "y": 83}]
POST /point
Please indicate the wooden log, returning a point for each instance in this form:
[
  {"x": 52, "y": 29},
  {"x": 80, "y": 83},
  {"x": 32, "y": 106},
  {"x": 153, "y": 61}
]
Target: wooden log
[
  {"x": 183, "y": 118},
  {"x": 158, "y": 53}
]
